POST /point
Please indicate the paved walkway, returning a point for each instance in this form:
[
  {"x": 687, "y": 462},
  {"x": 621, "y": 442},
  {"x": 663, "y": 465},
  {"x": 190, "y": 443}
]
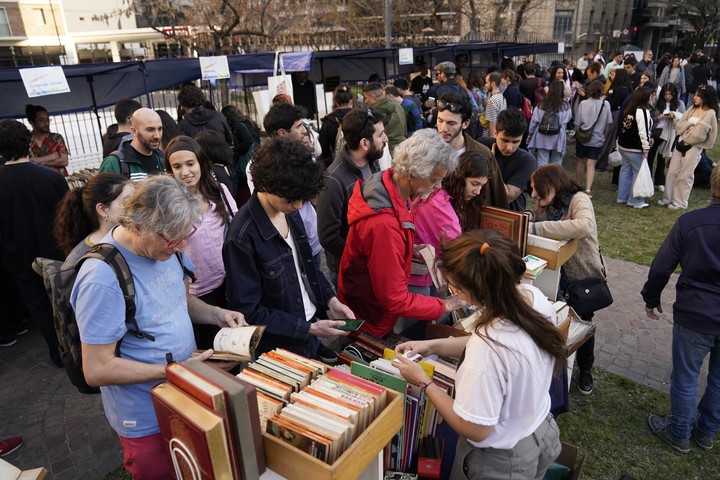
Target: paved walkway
[{"x": 66, "y": 431}]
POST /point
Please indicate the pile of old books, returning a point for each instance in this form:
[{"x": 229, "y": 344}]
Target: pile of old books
[
  {"x": 79, "y": 179},
  {"x": 534, "y": 266},
  {"x": 321, "y": 411},
  {"x": 209, "y": 420}
]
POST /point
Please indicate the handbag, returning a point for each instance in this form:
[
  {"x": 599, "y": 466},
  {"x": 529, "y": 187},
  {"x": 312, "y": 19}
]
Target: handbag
[
  {"x": 615, "y": 158},
  {"x": 583, "y": 135},
  {"x": 589, "y": 294}
]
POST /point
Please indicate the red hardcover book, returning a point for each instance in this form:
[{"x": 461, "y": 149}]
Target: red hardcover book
[{"x": 194, "y": 435}]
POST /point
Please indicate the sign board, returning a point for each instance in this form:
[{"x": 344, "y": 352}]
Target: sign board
[
  {"x": 616, "y": 33},
  {"x": 561, "y": 47},
  {"x": 44, "y": 81},
  {"x": 214, "y": 68},
  {"x": 406, "y": 56}
]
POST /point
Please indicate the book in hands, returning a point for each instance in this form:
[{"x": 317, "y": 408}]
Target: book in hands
[{"x": 237, "y": 344}]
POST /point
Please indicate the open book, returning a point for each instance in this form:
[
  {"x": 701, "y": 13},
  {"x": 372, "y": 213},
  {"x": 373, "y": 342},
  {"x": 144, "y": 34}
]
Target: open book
[{"x": 237, "y": 344}]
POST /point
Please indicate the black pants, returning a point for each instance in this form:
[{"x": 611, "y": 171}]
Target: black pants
[
  {"x": 33, "y": 293},
  {"x": 586, "y": 353},
  {"x": 659, "y": 176},
  {"x": 12, "y": 309}
]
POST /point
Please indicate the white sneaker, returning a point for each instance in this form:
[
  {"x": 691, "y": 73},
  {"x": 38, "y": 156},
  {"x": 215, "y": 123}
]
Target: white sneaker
[
  {"x": 661, "y": 188},
  {"x": 641, "y": 205},
  {"x": 662, "y": 203}
]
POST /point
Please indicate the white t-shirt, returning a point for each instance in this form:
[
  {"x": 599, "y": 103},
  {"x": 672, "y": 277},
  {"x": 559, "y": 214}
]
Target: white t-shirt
[
  {"x": 540, "y": 303},
  {"x": 310, "y": 308},
  {"x": 505, "y": 382}
]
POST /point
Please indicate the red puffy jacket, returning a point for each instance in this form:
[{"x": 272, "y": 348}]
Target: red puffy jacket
[{"x": 375, "y": 266}]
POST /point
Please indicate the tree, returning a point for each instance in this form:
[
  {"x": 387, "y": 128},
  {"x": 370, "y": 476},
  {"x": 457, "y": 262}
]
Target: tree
[
  {"x": 702, "y": 15},
  {"x": 498, "y": 16}
]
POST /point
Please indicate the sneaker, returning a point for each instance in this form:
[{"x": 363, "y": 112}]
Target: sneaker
[
  {"x": 672, "y": 206},
  {"x": 585, "y": 383},
  {"x": 661, "y": 428},
  {"x": 661, "y": 188},
  {"x": 640, "y": 205},
  {"x": 324, "y": 354},
  {"x": 662, "y": 203},
  {"x": 9, "y": 445},
  {"x": 18, "y": 329},
  {"x": 704, "y": 441},
  {"x": 8, "y": 340}
]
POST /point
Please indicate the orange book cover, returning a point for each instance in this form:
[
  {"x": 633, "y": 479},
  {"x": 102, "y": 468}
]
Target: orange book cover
[{"x": 194, "y": 435}]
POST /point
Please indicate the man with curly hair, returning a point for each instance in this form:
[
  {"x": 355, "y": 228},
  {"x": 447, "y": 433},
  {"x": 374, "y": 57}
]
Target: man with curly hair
[{"x": 271, "y": 276}]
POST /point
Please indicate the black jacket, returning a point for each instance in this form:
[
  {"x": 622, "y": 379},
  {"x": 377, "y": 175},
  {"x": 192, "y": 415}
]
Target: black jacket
[
  {"x": 202, "y": 119},
  {"x": 328, "y": 133}
]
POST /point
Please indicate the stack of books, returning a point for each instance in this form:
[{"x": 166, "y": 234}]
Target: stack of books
[
  {"x": 513, "y": 225},
  {"x": 209, "y": 420},
  {"x": 534, "y": 266},
  {"x": 315, "y": 409}
]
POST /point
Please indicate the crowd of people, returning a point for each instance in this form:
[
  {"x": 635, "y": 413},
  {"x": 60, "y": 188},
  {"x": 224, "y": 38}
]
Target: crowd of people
[{"x": 222, "y": 228}]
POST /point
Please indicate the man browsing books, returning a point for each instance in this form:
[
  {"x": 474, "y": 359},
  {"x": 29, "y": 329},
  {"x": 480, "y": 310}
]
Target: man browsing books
[{"x": 158, "y": 219}]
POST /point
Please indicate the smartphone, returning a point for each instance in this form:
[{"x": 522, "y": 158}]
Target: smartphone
[{"x": 351, "y": 324}]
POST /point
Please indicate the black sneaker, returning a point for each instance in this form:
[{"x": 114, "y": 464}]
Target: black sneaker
[
  {"x": 661, "y": 428},
  {"x": 324, "y": 354},
  {"x": 704, "y": 441},
  {"x": 585, "y": 383},
  {"x": 8, "y": 340}
]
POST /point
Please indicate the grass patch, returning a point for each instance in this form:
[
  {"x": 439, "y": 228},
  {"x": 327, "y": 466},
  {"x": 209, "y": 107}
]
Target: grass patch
[
  {"x": 119, "y": 474},
  {"x": 631, "y": 234},
  {"x": 610, "y": 427}
]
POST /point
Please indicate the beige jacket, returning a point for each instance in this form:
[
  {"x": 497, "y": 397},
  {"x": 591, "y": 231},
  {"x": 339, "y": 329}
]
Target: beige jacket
[
  {"x": 578, "y": 222},
  {"x": 701, "y": 134}
]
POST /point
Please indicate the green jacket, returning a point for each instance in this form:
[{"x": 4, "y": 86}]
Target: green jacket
[
  {"x": 395, "y": 126},
  {"x": 129, "y": 165}
]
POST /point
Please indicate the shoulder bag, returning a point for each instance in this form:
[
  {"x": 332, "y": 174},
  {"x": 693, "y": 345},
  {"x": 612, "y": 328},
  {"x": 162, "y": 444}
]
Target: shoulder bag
[
  {"x": 583, "y": 135},
  {"x": 589, "y": 294}
]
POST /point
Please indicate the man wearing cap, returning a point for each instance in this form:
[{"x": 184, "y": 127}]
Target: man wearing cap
[{"x": 445, "y": 74}]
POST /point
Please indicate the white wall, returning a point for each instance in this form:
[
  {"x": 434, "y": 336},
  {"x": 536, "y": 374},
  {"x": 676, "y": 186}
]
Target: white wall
[{"x": 79, "y": 14}]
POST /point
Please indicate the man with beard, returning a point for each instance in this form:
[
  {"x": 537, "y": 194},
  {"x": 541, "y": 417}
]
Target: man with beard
[
  {"x": 46, "y": 148},
  {"x": 453, "y": 118},
  {"x": 365, "y": 140},
  {"x": 141, "y": 156}
]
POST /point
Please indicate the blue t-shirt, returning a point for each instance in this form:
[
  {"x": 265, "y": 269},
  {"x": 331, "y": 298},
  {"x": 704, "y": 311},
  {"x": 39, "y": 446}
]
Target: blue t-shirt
[{"x": 161, "y": 311}]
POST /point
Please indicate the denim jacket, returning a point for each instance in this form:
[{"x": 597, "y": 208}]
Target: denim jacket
[{"x": 262, "y": 281}]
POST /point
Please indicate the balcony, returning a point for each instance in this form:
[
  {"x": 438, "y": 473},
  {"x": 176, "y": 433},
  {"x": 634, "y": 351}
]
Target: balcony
[{"x": 662, "y": 22}]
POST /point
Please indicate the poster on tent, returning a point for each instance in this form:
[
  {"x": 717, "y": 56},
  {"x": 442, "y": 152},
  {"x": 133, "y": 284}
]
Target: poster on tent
[
  {"x": 42, "y": 81},
  {"x": 214, "y": 68},
  {"x": 406, "y": 56}
]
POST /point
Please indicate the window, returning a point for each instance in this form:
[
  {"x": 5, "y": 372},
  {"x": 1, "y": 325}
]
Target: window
[
  {"x": 4, "y": 25},
  {"x": 39, "y": 15},
  {"x": 563, "y": 23}
]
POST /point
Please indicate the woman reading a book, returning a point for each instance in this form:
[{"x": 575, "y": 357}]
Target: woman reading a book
[
  {"x": 501, "y": 407},
  {"x": 188, "y": 163},
  {"x": 272, "y": 277},
  {"x": 563, "y": 211}
]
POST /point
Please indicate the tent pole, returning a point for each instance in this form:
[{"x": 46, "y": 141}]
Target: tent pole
[
  {"x": 247, "y": 102},
  {"x": 89, "y": 79},
  {"x": 322, "y": 74},
  {"x": 143, "y": 70}
]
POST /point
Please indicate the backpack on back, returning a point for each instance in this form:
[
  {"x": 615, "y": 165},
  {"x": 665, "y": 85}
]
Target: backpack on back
[
  {"x": 540, "y": 92},
  {"x": 527, "y": 108},
  {"x": 550, "y": 123},
  {"x": 59, "y": 279}
]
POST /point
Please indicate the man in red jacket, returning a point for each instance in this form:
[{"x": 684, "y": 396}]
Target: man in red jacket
[{"x": 375, "y": 265}]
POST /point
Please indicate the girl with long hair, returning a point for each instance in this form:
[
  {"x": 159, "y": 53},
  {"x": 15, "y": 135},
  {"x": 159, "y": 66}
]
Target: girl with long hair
[
  {"x": 501, "y": 407},
  {"x": 668, "y": 110},
  {"x": 634, "y": 144},
  {"x": 188, "y": 163},
  {"x": 213, "y": 146},
  {"x": 550, "y": 147},
  {"x": 674, "y": 73},
  {"x": 591, "y": 111},
  {"x": 564, "y": 211},
  {"x": 697, "y": 131},
  {"x": 85, "y": 215},
  {"x": 465, "y": 186},
  {"x": 558, "y": 72}
]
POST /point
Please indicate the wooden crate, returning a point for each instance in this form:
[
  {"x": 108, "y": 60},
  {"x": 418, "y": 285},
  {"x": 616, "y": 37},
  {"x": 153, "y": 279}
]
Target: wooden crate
[
  {"x": 555, "y": 259},
  {"x": 295, "y": 464}
]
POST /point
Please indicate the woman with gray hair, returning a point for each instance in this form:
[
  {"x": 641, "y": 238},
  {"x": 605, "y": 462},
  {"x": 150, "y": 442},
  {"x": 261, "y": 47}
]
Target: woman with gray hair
[
  {"x": 375, "y": 266},
  {"x": 159, "y": 217}
]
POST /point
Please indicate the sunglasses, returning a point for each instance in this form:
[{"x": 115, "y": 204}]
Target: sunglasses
[
  {"x": 453, "y": 107},
  {"x": 171, "y": 244}
]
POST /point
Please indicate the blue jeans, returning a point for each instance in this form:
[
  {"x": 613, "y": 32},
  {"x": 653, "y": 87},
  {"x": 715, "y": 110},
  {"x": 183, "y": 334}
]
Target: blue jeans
[
  {"x": 631, "y": 163},
  {"x": 545, "y": 155},
  {"x": 689, "y": 349}
]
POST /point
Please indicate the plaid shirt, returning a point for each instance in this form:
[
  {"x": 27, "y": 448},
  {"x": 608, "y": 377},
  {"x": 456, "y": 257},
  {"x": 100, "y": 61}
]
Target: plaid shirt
[{"x": 53, "y": 142}]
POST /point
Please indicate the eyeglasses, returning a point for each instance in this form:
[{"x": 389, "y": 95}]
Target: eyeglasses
[
  {"x": 367, "y": 117},
  {"x": 171, "y": 244},
  {"x": 453, "y": 107}
]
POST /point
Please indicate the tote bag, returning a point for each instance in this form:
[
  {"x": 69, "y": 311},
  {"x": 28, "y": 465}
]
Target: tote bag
[{"x": 280, "y": 82}]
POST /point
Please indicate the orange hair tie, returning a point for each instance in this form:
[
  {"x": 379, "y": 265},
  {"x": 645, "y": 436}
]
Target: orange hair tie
[{"x": 484, "y": 247}]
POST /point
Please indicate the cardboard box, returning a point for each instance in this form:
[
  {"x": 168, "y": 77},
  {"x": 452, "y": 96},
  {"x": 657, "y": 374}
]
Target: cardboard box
[
  {"x": 555, "y": 259},
  {"x": 293, "y": 463},
  {"x": 581, "y": 331},
  {"x": 570, "y": 457}
]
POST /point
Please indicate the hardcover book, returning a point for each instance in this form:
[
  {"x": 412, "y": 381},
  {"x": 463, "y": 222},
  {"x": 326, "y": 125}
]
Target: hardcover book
[
  {"x": 237, "y": 344},
  {"x": 513, "y": 225},
  {"x": 193, "y": 434}
]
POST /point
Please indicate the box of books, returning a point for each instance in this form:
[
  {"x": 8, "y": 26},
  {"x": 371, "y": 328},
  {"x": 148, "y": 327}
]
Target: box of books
[
  {"x": 556, "y": 252},
  {"x": 296, "y": 456}
]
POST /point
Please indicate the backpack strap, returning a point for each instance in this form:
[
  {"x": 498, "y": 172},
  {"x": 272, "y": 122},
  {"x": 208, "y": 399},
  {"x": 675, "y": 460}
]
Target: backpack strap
[
  {"x": 112, "y": 256},
  {"x": 186, "y": 271},
  {"x": 120, "y": 155}
]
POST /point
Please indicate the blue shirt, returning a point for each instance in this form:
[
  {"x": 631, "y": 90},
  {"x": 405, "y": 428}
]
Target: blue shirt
[
  {"x": 161, "y": 311},
  {"x": 692, "y": 243}
]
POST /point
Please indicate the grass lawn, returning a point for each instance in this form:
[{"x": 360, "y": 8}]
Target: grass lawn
[
  {"x": 610, "y": 428},
  {"x": 631, "y": 234}
]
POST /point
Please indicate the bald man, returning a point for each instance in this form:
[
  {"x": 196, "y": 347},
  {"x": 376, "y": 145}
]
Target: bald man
[{"x": 140, "y": 157}]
